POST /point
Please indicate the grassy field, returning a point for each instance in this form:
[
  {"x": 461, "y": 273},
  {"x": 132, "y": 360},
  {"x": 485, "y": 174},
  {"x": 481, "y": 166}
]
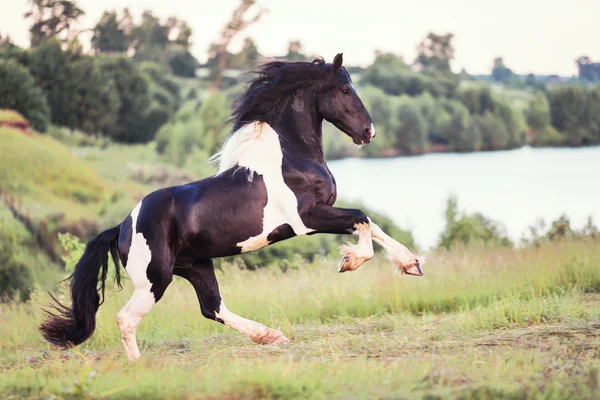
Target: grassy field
[{"x": 479, "y": 325}]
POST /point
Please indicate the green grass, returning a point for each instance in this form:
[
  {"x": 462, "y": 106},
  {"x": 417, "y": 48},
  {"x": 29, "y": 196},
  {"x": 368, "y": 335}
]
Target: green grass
[
  {"x": 43, "y": 171},
  {"x": 502, "y": 324},
  {"x": 10, "y": 116}
]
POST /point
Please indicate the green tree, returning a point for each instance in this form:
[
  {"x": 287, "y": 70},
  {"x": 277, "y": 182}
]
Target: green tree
[
  {"x": 51, "y": 68},
  {"x": 214, "y": 112},
  {"x": 96, "y": 97},
  {"x": 461, "y": 133},
  {"x": 464, "y": 229},
  {"x": 500, "y": 72},
  {"x": 110, "y": 34},
  {"x": 568, "y": 109},
  {"x": 232, "y": 28},
  {"x": 436, "y": 51},
  {"x": 411, "y": 135},
  {"x": 295, "y": 51},
  {"x": 494, "y": 135},
  {"x": 539, "y": 121},
  {"x": 183, "y": 63},
  {"x": 150, "y": 38},
  {"x": 513, "y": 119},
  {"x": 18, "y": 92},
  {"x": 381, "y": 108},
  {"x": 478, "y": 99},
  {"x": 52, "y": 19},
  {"x": 133, "y": 88}
]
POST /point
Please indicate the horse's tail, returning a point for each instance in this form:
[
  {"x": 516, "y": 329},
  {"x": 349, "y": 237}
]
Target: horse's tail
[{"x": 70, "y": 327}]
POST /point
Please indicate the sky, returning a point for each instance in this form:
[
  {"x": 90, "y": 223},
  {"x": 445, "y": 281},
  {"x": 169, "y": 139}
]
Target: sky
[{"x": 537, "y": 36}]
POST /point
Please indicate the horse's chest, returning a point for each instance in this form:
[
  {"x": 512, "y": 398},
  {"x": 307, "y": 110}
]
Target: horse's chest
[{"x": 282, "y": 203}]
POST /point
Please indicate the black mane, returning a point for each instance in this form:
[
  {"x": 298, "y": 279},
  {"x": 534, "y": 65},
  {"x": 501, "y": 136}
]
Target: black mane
[{"x": 276, "y": 82}]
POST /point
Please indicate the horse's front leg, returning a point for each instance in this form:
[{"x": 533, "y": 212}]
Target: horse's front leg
[
  {"x": 401, "y": 256},
  {"x": 326, "y": 219}
]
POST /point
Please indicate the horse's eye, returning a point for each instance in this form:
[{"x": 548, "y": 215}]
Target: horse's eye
[{"x": 345, "y": 90}]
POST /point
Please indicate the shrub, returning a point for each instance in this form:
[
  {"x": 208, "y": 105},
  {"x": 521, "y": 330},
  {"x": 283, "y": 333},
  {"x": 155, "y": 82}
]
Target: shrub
[{"x": 463, "y": 229}]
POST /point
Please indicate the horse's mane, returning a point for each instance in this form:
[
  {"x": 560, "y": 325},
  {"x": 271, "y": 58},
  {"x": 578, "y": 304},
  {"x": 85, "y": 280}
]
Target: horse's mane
[
  {"x": 266, "y": 96},
  {"x": 268, "y": 93}
]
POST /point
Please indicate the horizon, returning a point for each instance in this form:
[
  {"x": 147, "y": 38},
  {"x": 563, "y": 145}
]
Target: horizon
[{"x": 480, "y": 34}]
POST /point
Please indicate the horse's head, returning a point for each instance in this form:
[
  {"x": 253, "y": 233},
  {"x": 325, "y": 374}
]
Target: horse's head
[{"x": 339, "y": 104}]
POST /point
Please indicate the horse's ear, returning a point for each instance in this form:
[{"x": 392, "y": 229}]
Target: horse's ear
[{"x": 337, "y": 62}]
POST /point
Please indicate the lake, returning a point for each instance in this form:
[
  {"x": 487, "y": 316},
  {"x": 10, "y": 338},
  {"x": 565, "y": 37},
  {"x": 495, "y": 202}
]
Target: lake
[{"x": 515, "y": 187}]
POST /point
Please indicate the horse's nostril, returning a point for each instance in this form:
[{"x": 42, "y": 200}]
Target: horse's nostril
[{"x": 370, "y": 132}]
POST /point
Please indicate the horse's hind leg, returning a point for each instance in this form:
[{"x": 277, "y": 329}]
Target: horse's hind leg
[
  {"x": 150, "y": 275},
  {"x": 202, "y": 277}
]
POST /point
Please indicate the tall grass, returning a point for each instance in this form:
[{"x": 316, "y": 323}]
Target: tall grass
[
  {"x": 497, "y": 284},
  {"x": 478, "y": 324}
]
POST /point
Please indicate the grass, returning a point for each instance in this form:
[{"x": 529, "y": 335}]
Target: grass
[
  {"x": 501, "y": 324},
  {"x": 47, "y": 173},
  {"x": 11, "y": 117}
]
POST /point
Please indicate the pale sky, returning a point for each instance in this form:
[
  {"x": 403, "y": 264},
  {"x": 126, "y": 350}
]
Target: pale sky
[{"x": 539, "y": 36}]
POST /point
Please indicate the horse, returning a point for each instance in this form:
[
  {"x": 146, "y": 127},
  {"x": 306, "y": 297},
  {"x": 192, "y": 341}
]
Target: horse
[{"x": 272, "y": 183}]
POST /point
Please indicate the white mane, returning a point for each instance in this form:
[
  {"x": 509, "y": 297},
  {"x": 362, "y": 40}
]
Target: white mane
[{"x": 237, "y": 145}]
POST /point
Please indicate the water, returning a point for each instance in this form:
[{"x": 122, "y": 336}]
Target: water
[{"x": 515, "y": 188}]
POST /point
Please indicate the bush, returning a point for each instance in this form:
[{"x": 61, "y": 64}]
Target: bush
[
  {"x": 18, "y": 92},
  {"x": 464, "y": 229},
  {"x": 16, "y": 281},
  {"x": 183, "y": 64}
]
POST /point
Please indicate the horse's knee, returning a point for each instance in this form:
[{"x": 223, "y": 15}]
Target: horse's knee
[{"x": 208, "y": 309}]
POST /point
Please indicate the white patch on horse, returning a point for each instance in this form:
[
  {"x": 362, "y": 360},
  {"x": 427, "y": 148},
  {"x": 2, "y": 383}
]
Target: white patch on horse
[
  {"x": 254, "y": 330},
  {"x": 356, "y": 255},
  {"x": 372, "y": 130},
  {"x": 142, "y": 300},
  {"x": 256, "y": 147}
]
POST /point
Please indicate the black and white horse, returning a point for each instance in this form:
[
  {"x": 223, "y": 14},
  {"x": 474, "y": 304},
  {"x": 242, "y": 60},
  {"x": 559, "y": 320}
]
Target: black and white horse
[{"x": 272, "y": 184}]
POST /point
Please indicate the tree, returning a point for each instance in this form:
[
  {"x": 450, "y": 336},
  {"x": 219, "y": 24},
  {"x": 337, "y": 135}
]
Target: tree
[
  {"x": 494, "y": 135},
  {"x": 236, "y": 24},
  {"x": 463, "y": 229},
  {"x": 436, "y": 51},
  {"x": 183, "y": 64},
  {"x": 459, "y": 130},
  {"x": 19, "y": 92},
  {"x": 150, "y": 38},
  {"x": 52, "y": 19},
  {"x": 568, "y": 109},
  {"x": 51, "y": 68},
  {"x": 295, "y": 51},
  {"x": 588, "y": 70},
  {"x": 411, "y": 135},
  {"x": 134, "y": 100},
  {"x": 500, "y": 73},
  {"x": 247, "y": 56},
  {"x": 110, "y": 35}
]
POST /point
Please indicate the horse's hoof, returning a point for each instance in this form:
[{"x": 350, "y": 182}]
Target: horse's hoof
[
  {"x": 343, "y": 265},
  {"x": 283, "y": 341}
]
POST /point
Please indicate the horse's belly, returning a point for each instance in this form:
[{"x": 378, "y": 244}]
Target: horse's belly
[{"x": 277, "y": 226}]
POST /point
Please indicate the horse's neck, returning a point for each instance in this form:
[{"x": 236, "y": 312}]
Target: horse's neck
[{"x": 301, "y": 133}]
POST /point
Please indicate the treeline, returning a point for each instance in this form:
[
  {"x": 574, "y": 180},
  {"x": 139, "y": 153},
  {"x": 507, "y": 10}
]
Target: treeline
[
  {"x": 109, "y": 95},
  {"x": 428, "y": 108}
]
